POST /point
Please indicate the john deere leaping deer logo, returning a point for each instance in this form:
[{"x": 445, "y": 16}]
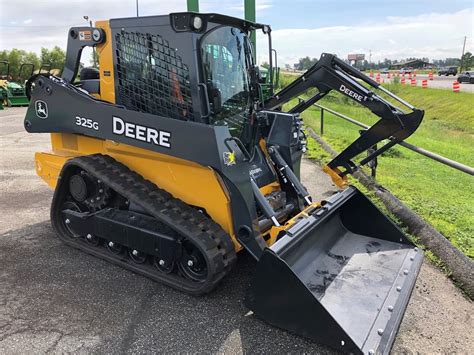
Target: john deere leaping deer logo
[{"x": 41, "y": 109}]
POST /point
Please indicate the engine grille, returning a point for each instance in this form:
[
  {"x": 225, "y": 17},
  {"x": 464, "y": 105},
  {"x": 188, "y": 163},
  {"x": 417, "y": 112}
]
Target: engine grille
[{"x": 152, "y": 78}]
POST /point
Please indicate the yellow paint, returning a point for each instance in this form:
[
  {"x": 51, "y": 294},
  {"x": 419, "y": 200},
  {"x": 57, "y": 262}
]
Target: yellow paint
[
  {"x": 335, "y": 177},
  {"x": 274, "y": 231},
  {"x": 106, "y": 64}
]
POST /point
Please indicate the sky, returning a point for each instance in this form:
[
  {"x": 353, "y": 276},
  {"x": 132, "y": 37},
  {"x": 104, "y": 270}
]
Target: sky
[{"x": 393, "y": 30}]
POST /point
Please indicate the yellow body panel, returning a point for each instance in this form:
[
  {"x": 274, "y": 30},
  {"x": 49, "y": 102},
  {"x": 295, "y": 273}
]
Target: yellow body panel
[{"x": 106, "y": 64}]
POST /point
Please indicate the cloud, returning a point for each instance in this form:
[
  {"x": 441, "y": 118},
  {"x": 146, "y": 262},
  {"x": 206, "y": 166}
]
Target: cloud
[
  {"x": 31, "y": 25},
  {"x": 52, "y": 21},
  {"x": 431, "y": 35}
]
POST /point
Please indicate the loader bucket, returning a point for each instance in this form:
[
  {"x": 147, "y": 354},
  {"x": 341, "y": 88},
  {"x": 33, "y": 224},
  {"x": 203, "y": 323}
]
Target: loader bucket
[{"x": 341, "y": 276}]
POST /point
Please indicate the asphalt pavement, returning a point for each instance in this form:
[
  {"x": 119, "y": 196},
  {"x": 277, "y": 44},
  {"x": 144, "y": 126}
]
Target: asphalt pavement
[{"x": 55, "y": 299}]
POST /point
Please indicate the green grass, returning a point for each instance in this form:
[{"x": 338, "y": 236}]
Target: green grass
[{"x": 441, "y": 195}]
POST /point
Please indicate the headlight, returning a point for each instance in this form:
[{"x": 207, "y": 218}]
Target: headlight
[{"x": 197, "y": 23}]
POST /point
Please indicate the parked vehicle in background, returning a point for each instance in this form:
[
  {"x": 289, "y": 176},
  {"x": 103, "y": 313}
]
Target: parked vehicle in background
[
  {"x": 406, "y": 70},
  {"x": 466, "y": 77},
  {"x": 448, "y": 71},
  {"x": 384, "y": 71}
]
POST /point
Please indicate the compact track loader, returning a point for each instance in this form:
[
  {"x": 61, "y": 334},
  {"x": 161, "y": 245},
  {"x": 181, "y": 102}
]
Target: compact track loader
[{"x": 168, "y": 161}]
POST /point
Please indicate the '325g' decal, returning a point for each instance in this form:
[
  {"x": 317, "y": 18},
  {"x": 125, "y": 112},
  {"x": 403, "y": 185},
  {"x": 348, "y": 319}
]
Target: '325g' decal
[{"x": 87, "y": 123}]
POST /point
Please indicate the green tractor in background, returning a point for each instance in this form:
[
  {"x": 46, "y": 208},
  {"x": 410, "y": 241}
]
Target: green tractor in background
[
  {"x": 266, "y": 83},
  {"x": 266, "y": 78},
  {"x": 12, "y": 90}
]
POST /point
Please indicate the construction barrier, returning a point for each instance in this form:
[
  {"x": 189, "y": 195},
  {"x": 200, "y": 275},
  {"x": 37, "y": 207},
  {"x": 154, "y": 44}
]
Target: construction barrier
[
  {"x": 403, "y": 81},
  {"x": 430, "y": 75},
  {"x": 456, "y": 86},
  {"x": 413, "y": 82},
  {"x": 424, "y": 84}
]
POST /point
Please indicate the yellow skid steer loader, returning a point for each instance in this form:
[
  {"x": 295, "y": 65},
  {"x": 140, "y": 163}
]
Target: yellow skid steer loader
[{"x": 168, "y": 161}]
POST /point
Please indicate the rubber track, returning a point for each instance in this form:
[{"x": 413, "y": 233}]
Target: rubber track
[{"x": 194, "y": 226}]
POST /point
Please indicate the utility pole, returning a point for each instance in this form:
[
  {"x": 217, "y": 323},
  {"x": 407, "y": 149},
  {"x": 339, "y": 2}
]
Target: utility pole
[
  {"x": 462, "y": 55},
  {"x": 136, "y": 3},
  {"x": 250, "y": 15},
  {"x": 193, "y": 5}
]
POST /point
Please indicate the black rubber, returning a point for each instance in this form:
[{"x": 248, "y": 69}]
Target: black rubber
[
  {"x": 185, "y": 221},
  {"x": 89, "y": 73}
]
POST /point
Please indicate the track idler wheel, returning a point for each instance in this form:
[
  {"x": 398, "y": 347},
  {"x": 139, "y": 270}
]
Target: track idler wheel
[
  {"x": 137, "y": 257},
  {"x": 164, "y": 266},
  {"x": 69, "y": 205},
  {"x": 113, "y": 247},
  {"x": 192, "y": 263},
  {"x": 92, "y": 239}
]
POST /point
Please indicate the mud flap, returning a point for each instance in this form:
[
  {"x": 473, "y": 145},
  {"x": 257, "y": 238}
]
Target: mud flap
[{"x": 341, "y": 276}]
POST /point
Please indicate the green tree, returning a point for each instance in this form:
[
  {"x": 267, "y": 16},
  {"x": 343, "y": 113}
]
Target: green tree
[
  {"x": 17, "y": 57},
  {"x": 467, "y": 61},
  {"x": 94, "y": 61},
  {"x": 56, "y": 57},
  {"x": 305, "y": 63}
]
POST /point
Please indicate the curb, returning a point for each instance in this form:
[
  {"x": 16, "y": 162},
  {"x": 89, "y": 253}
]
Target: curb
[{"x": 461, "y": 267}]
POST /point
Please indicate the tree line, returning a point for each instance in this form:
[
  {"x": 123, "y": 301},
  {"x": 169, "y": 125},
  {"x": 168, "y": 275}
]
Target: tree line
[
  {"x": 467, "y": 62},
  {"x": 16, "y": 57}
]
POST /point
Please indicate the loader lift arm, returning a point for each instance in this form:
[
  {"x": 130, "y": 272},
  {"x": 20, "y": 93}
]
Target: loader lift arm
[{"x": 331, "y": 73}]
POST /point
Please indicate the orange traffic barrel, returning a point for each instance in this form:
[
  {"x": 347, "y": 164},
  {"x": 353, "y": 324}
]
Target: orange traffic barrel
[
  {"x": 413, "y": 82},
  {"x": 430, "y": 75},
  {"x": 456, "y": 86},
  {"x": 424, "y": 84},
  {"x": 403, "y": 80},
  {"x": 371, "y": 74}
]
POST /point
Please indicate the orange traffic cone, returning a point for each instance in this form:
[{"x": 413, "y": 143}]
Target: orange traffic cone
[
  {"x": 456, "y": 86},
  {"x": 424, "y": 84}
]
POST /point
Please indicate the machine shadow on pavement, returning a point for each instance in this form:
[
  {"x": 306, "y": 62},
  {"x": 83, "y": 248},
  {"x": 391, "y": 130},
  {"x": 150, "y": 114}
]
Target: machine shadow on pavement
[{"x": 61, "y": 299}]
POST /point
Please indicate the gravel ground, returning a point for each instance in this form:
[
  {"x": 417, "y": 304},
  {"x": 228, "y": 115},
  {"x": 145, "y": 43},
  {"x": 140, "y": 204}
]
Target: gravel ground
[{"x": 56, "y": 299}]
